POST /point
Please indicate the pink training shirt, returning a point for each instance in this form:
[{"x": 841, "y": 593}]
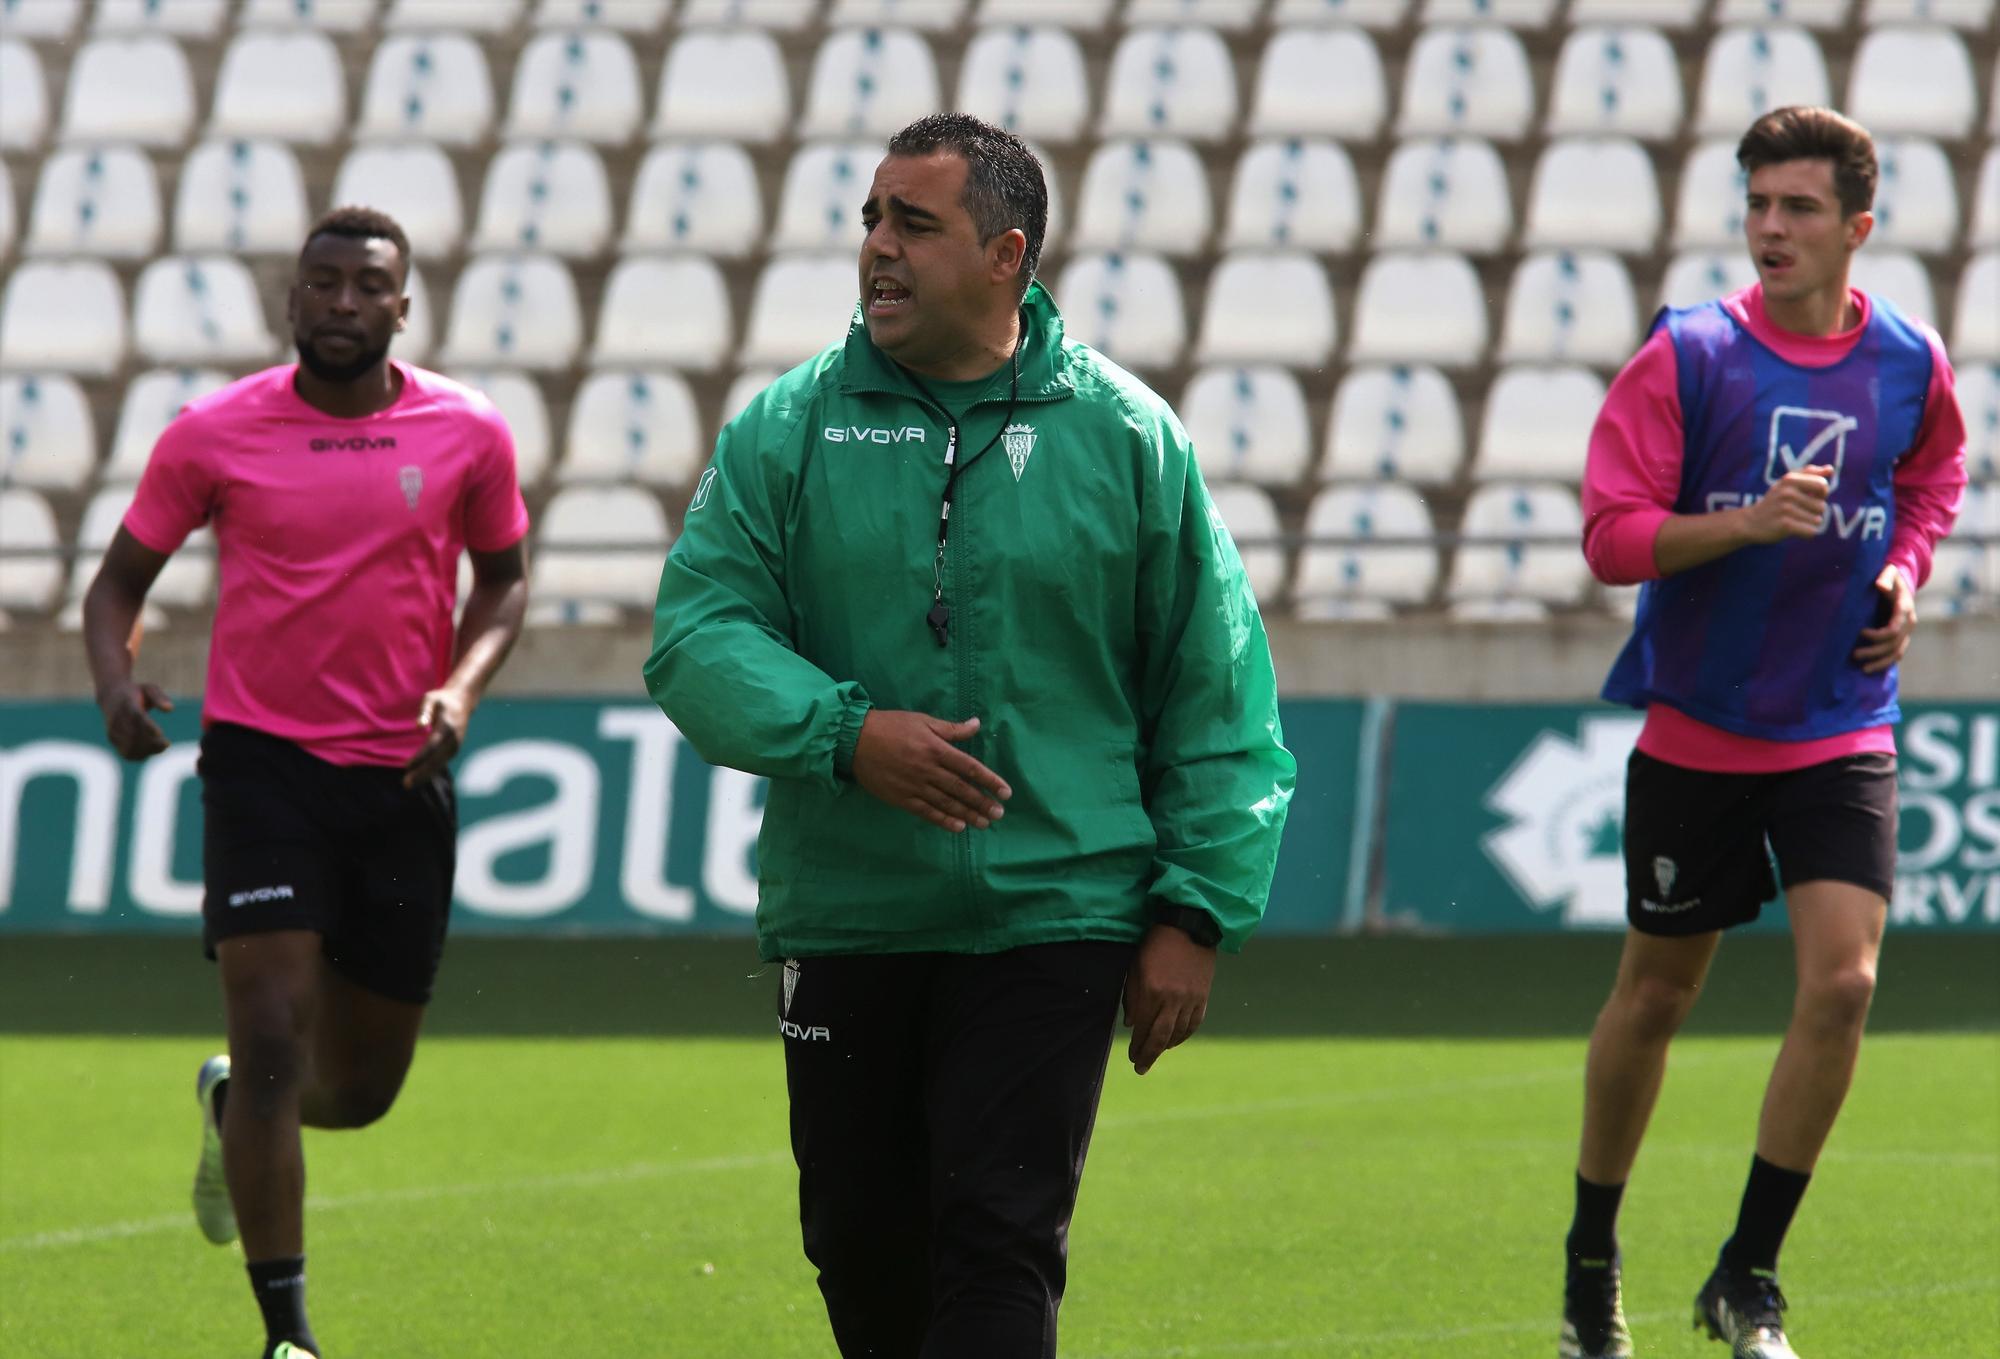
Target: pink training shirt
[
  {"x": 337, "y": 545},
  {"x": 1632, "y": 479}
]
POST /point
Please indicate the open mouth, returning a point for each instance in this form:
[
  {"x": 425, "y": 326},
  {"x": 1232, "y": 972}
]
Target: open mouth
[
  {"x": 1774, "y": 261},
  {"x": 886, "y": 296}
]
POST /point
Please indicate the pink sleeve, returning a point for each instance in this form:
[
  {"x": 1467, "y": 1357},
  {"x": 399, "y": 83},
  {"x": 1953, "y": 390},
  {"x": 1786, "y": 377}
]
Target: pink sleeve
[
  {"x": 1632, "y": 475},
  {"x": 495, "y": 515},
  {"x": 1930, "y": 479},
  {"x": 176, "y": 492}
]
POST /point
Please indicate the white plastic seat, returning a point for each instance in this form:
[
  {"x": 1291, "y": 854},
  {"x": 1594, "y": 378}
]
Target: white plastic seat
[
  {"x": 1141, "y": 194},
  {"x": 1127, "y": 307},
  {"x": 514, "y": 311},
  {"x": 413, "y": 343},
  {"x": 47, "y": 437},
  {"x": 434, "y": 87},
  {"x": 1972, "y": 15},
  {"x": 1512, "y": 13},
  {"x": 1297, "y": 194},
  {"x": 819, "y": 206},
  {"x": 1470, "y": 81},
  {"x": 1573, "y": 306},
  {"x": 199, "y": 309},
  {"x": 1916, "y": 196},
  {"x": 1248, "y": 424},
  {"x": 1673, "y": 14},
  {"x": 744, "y": 388},
  {"x": 1964, "y": 579},
  {"x": 600, "y": 543},
  {"x": 187, "y": 581},
  {"x": 583, "y": 84},
  {"x": 67, "y": 315},
  {"x": 1252, "y": 521},
  {"x": 330, "y": 16},
  {"x": 1709, "y": 214},
  {"x": 1913, "y": 80},
  {"x": 1594, "y": 192},
  {"x": 1978, "y": 391},
  {"x": 1616, "y": 80},
  {"x": 1699, "y": 275},
  {"x": 414, "y": 182},
  {"x": 242, "y": 197},
  {"x": 1823, "y": 14},
  {"x": 1901, "y": 277},
  {"x": 24, "y": 96},
  {"x": 1320, "y": 82},
  {"x": 934, "y": 15},
  {"x": 487, "y": 16},
  {"x": 287, "y": 85},
  {"x": 1419, "y": 307},
  {"x": 519, "y": 399},
  {"x": 869, "y": 82},
  {"x": 1537, "y": 424},
  {"x": 31, "y": 584},
  {"x": 635, "y": 425},
  {"x": 1394, "y": 422},
  {"x": 152, "y": 400},
  {"x": 1224, "y": 16},
  {"x": 179, "y": 18},
  {"x": 42, "y": 20},
  {"x": 780, "y": 16},
  {"x": 7, "y": 229},
  {"x": 1170, "y": 82},
  {"x": 696, "y": 196},
  {"x": 1362, "y": 13},
  {"x": 1399, "y": 572},
  {"x": 1267, "y": 307},
  {"x": 627, "y": 16},
  {"x": 1750, "y": 71},
  {"x": 1083, "y": 16},
  {"x": 135, "y": 89},
  {"x": 97, "y": 200},
  {"x": 1975, "y": 332},
  {"x": 1985, "y": 227},
  {"x": 673, "y": 311},
  {"x": 1444, "y": 193},
  {"x": 550, "y": 196},
  {"x": 1541, "y": 563},
  {"x": 723, "y": 84},
  {"x": 801, "y": 304},
  {"x": 1030, "y": 81}
]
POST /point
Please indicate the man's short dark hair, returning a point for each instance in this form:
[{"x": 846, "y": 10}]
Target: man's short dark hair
[
  {"x": 1004, "y": 188},
  {"x": 1802, "y": 132},
  {"x": 363, "y": 224}
]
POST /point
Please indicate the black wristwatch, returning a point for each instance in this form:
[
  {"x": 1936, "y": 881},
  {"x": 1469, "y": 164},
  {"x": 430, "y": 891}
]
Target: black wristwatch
[{"x": 1192, "y": 921}]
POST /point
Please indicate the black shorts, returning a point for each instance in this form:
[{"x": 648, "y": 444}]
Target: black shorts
[
  {"x": 291, "y": 842},
  {"x": 1699, "y": 845}
]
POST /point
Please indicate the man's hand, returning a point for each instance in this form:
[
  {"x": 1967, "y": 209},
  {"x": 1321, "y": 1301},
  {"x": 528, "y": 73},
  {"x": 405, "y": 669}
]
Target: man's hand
[
  {"x": 1881, "y": 647},
  {"x": 133, "y": 734},
  {"x": 908, "y": 760},
  {"x": 445, "y": 713},
  {"x": 1166, "y": 993},
  {"x": 1794, "y": 508}
]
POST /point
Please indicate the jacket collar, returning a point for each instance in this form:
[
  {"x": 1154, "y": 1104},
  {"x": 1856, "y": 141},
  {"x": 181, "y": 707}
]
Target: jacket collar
[{"x": 1044, "y": 362}]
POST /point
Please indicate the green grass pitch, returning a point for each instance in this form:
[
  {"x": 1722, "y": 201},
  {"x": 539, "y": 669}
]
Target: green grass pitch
[{"x": 1367, "y": 1154}]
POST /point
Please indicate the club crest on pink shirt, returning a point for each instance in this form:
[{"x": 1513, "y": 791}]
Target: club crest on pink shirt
[{"x": 412, "y": 479}]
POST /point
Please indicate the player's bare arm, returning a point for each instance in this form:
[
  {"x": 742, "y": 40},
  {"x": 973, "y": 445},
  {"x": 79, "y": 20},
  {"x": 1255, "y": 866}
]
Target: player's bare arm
[
  {"x": 909, "y": 761},
  {"x": 110, "y": 616},
  {"x": 1794, "y": 508},
  {"x": 488, "y": 631},
  {"x": 1166, "y": 993}
]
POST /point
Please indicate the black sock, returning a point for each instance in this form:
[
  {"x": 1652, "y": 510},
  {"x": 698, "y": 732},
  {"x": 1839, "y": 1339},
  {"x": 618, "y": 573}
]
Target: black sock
[
  {"x": 1769, "y": 1200},
  {"x": 1593, "y": 1232},
  {"x": 280, "y": 1286}
]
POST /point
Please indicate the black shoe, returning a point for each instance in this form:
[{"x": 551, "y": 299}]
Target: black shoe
[
  {"x": 1746, "y": 1309},
  {"x": 1593, "y": 1312}
]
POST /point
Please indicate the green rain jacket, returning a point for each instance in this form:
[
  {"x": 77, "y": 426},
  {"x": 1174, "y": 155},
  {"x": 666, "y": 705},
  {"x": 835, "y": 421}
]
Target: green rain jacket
[{"x": 1101, "y": 630}]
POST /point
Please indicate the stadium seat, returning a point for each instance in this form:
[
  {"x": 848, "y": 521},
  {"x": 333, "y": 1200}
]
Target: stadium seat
[
  {"x": 1537, "y": 424},
  {"x": 42, "y": 20},
  {"x": 627, "y": 16},
  {"x": 1394, "y": 422},
  {"x": 240, "y": 197},
  {"x": 1674, "y": 14},
  {"x": 7, "y": 227},
  {"x": 1267, "y": 307},
  {"x": 67, "y": 315},
  {"x": 413, "y": 182},
  {"x": 1822, "y": 14},
  {"x": 187, "y": 581},
  {"x": 1622, "y": 80},
  {"x": 98, "y": 200},
  {"x": 1128, "y": 307},
  {"x": 1901, "y": 277},
  {"x": 24, "y": 97},
  {"x": 1030, "y": 81},
  {"x": 135, "y": 89},
  {"x": 802, "y": 304},
  {"x": 519, "y": 398},
  {"x": 869, "y": 82},
  {"x": 1916, "y": 196},
  {"x": 1320, "y": 82},
  {"x": 1569, "y": 306},
  {"x": 1248, "y": 424},
  {"x": 1913, "y": 80},
  {"x": 413, "y": 343},
  {"x": 516, "y": 311},
  {"x": 1973, "y": 15},
  {"x": 1594, "y": 192},
  {"x": 47, "y": 438},
  {"x": 936, "y": 15},
  {"x": 287, "y": 85},
  {"x": 1750, "y": 71},
  {"x": 430, "y": 86},
  {"x": 696, "y": 196},
  {"x": 1695, "y": 276},
  {"x": 1419, "y": 307},
  {"x": 1170, "y": 82},
  {"x": 819, "y": 205},
  {"x": 1978, "y": 392},
  {"x": 1384, "y": 572},
  {"x": 1470, "y": 81},
  {"x": 583, "y": 84},
  {"x": 331, "y": 16},
  {"x": 600, "y": 544},
  {"x": 1709, "y": 215},
  {"x": 1362, "y": 13},
  {"x": 1225, "y": 16},
  {"x": 1964, "y": 579},
  {"x": 179, "y": 18},
  {"x": 1541, "y": 564},
  {"x": 743, "y": 389},
  {"x": 152, "y": 400},
  {"x": 1444, "y": 193},
  {"x": 779, "y": 16},
  {"x": 1142, "y": 194},
  {"x": 487, "y": 16},
  {"x": 1985, "y": 227},
  {"x": 199, "y": 309},
  {"x": 723, "y": 84},
  {"x": 1296, "y": 194},
  {"x": 673, "y": 311},
  {"x": 1975, "y": 332},
  {"x": 29, "y": 583},
  {"x": 549, "y": 196},
  {"x": 1082, "y": 15},
  {"x": 1512, "y": 13},
  {"x": 1252, "y": 521},
  {"x": 634, "y": 425}
]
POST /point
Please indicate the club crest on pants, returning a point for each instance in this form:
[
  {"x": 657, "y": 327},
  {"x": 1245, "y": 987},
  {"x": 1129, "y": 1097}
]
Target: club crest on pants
[
  {"x": 1664, "y": 873},
  {"x": 791, "y": 983}
]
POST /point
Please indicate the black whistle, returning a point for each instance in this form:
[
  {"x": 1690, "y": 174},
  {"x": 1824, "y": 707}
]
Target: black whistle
[{"x": 940, "y": 620}]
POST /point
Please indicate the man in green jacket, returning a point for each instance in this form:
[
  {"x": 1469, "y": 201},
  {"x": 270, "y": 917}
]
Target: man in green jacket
[{"x": 956, "y": 588}]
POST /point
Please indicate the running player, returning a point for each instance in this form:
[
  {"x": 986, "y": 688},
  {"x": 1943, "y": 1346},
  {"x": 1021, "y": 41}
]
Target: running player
[{"x": 342, "y": 490}]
